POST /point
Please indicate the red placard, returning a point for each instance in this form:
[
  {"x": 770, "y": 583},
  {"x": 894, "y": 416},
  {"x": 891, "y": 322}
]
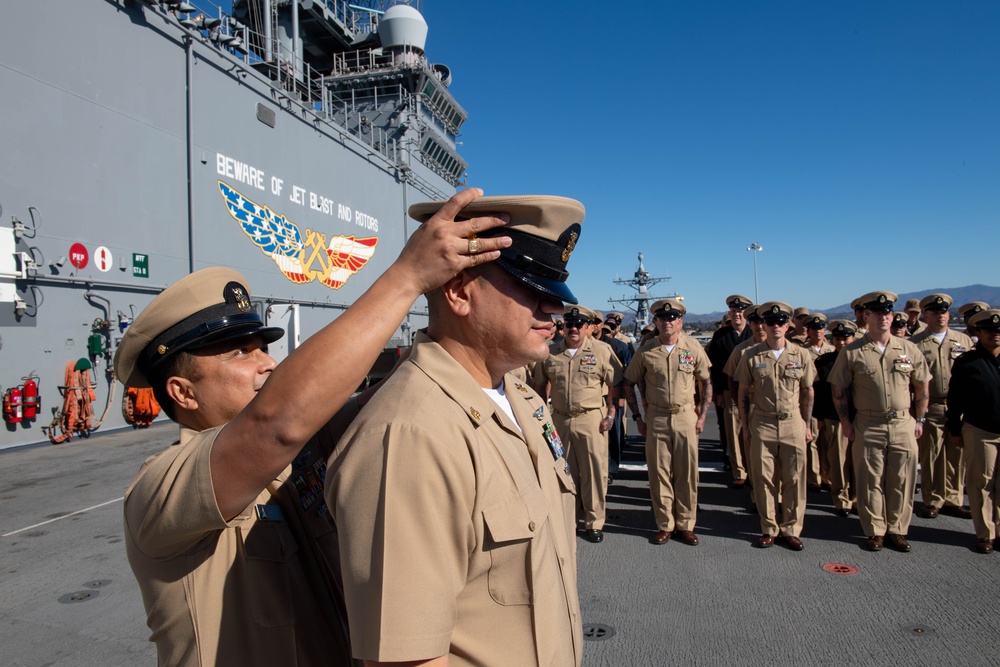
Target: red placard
[{"x": 78, "y": 255}]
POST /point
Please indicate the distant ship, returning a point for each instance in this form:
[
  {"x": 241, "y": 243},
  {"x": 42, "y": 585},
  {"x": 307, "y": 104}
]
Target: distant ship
[
  {"x": 144, "y": 140},
  {"x": 639, "y": 304}
]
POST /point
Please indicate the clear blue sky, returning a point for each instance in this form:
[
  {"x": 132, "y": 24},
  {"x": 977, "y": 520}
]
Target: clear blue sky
[{"x": 858, "y": 142}]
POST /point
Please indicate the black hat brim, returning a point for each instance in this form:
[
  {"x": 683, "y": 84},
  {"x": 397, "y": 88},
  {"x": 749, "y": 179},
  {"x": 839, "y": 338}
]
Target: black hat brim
[{"x": 553, "y": 288}]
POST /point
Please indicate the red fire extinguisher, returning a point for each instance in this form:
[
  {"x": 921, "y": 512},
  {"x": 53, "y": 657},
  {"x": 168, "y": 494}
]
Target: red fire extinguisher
[
  {"x": 30, "y": 397},
  {"x": 12, "y": 405}
]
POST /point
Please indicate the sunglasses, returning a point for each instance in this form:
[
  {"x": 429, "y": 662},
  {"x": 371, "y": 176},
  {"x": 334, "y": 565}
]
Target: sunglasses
[
  {"x": 669, "y": 317},
  {"x": 576, "y": 324}
]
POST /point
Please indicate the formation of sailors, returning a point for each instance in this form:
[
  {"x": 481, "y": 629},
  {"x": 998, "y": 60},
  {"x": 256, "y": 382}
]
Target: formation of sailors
[{"x": 803, "y": 403}]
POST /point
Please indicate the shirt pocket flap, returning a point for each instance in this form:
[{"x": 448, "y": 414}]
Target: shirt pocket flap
[{"x": 517, "y": 518}]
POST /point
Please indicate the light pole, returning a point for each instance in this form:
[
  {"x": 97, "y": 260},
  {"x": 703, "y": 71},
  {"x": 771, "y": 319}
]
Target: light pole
[{"x": 755, "y": 248}]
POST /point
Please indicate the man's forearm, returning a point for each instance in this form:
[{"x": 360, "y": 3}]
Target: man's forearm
[{"x": 806, "y": 399}]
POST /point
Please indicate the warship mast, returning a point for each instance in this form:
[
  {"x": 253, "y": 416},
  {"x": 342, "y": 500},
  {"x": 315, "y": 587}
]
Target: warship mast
[{"x": 641, "y": 282}]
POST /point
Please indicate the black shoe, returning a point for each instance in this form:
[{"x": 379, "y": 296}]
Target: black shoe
[
  {"x": 959, "y": 512},
  {"x": 842, "y": 513},
  {"x": 593, "y": 535}
]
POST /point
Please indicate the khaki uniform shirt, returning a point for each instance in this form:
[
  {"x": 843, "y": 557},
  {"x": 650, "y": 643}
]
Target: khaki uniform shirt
[
  {"x": 940, "y": 357},
  {"x": 456, "y": 525},
  {"x": 796, "y": 338},
  {"x": 881, "y": 382},
  {"x": 580, "y": 381},
  {"x": 236, "y": 592},
  {"x": 816, "y": 354},
  {"x": 734, "y": 358},
  {"x": 669, "y": 376},
  {"x": 776, "y": 382}
]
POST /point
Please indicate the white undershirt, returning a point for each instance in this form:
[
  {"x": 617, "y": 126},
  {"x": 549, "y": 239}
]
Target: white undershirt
[
  {"x": 777, "y": 353},
  {"x": 669, "y": 348},
  {"x": 881, "y": 348},
  {"x": 940, "y": 336},
  {"x": 499, "y": 396},
  {"x": 572, "y": 351}
]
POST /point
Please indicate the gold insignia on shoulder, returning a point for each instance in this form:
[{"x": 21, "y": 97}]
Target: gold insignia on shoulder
[
  {"x": 475, "y": 413},
  {"x": 162, "y": 349},
  {"x": 573, "y": 236},
  {"x": 520, "y": 388}
]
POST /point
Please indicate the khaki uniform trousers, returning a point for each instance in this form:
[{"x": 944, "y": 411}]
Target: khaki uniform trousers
[
  {"x": 839, "y": 462},
  {"x": 672, "y": 464},
  {"x": 816, "y": 472},
  {"x": 778, "y": 457},
  {"x": 737, "y": 446},
  {"x": 981, "y": 477},
  {"x": 885, "y": 469},
  {"x": 942, "y": 473},
  {"x": 587, "y": 454}
]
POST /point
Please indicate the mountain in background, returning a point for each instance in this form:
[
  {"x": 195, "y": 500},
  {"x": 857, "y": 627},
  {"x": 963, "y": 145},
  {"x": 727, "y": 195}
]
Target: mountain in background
[{"x": 961, "y": 295}]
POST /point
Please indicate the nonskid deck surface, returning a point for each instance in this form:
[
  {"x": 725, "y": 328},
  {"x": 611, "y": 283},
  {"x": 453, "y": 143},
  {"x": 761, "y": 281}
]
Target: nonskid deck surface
[{"x": 69, "y": 597}]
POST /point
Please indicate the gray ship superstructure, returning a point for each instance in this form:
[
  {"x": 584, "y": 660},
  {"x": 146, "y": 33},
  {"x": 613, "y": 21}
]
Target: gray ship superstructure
[
  {"x": 641, "y": 282},
  {"x": 144, "y": 140}
]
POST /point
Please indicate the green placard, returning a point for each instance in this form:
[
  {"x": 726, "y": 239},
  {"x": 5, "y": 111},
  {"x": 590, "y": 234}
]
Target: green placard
[{"x": 140, "y": 266}]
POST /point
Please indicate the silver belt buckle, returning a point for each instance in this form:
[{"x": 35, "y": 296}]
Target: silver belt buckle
[
  {"x": 892, "y": 414},
  {"x": 782, "y": 416}
]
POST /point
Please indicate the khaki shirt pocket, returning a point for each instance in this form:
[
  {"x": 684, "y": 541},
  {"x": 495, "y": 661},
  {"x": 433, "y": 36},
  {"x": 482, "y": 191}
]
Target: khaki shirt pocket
[
  {"x": 511, "y": 527},
  {"x": 269, "y": 546}
]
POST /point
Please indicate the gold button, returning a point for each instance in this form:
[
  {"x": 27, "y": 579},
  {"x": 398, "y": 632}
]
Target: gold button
[{"x": 531, "y": 526}]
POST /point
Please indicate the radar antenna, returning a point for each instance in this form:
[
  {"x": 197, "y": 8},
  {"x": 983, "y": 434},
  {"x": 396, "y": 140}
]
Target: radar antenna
[{"x": 641, "y": 282}]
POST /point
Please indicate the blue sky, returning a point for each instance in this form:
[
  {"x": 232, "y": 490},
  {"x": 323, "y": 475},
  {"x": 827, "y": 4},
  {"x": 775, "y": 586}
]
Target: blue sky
[{"x": 858, "y": 142}]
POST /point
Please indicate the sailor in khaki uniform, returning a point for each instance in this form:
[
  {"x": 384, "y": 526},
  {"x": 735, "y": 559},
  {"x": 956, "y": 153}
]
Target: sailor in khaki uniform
[
  {"x": 226, "y": 531},
  {"x": 779, "y": 377},
  {"x": 797, "y": 329},
  {"x": 581, "y": 379},
  {"x": 859, "y": 318},
  {"x": 670, "y": 371},
  {"x": 881, "y": 369},
  {"x": 913, "y": 323},
  {"x": 973, "y": 422},
  {"x": 942, "y": 474},
  {"x": 817, "y": 473},
  {"x": 756, "y": 326},
  {"x": 452, "y": 498},
  {"x": 724, "y": 340},
  {"x": 840, "y": 464},
  {"x": 970, "y": 310}
]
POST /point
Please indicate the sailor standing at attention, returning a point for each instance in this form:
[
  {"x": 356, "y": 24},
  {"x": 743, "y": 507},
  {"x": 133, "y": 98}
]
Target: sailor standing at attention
[
  {"x": 817, "y": 472},
  {"x": 780, "y": 378},
  {"x": 226, "y": 531},
  {"x": 973, "y": 422},
  {"x": 831, "y": 434},
  {"x": 451, "y": 496},
  {"x": 942, "y": 473},
  {"x": 581, "y": 378},
  {"x": 881, "y": 369},
  {"x": 670, "y": 372},
  {"x": 724, "y": 340}
]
